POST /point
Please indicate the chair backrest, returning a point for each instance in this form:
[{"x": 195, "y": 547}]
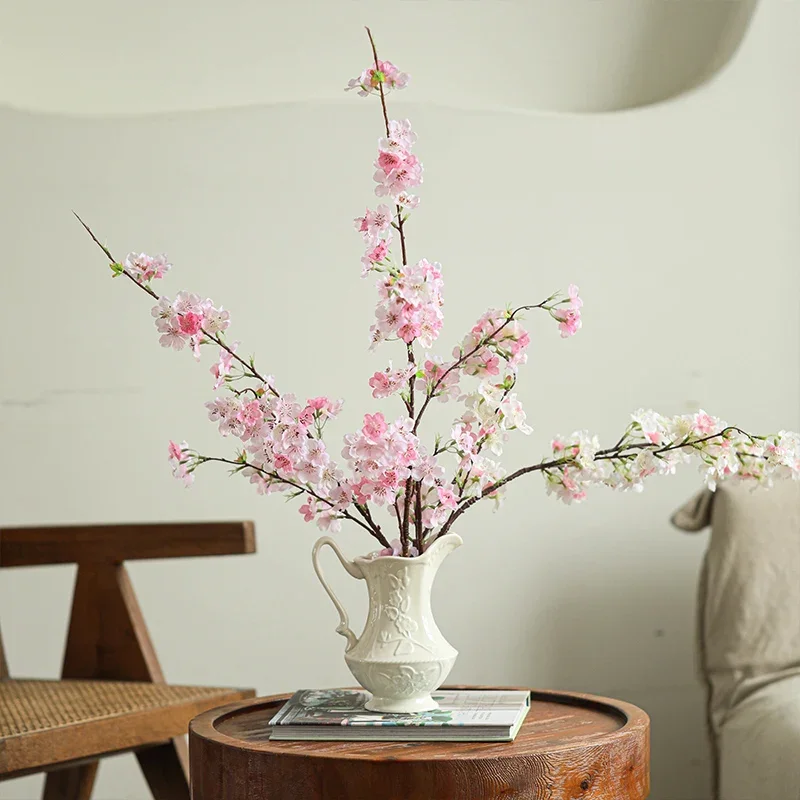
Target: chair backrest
[
  {"x": 108, "y": 638},
  {"x": 82, "y": 544}
]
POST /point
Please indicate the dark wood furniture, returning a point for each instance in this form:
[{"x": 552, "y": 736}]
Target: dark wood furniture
[
  {"x": 570, "y": 746},
  {"x": 113, "y": 697}
]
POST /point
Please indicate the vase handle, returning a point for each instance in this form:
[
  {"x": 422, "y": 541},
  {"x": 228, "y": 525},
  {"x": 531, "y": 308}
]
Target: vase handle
[{"x": 344, "y": 621}]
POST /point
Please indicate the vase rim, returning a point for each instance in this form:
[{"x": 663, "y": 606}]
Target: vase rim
[{"x": 373, "y": 557}]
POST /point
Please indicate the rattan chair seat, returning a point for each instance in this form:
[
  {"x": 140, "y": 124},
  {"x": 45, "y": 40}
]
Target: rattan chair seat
[
  {"x": 27, "y": 706},
  {"x": 115, "y": 715}
]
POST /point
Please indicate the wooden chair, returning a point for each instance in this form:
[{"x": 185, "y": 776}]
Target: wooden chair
[{"x": 113, "y": 697}]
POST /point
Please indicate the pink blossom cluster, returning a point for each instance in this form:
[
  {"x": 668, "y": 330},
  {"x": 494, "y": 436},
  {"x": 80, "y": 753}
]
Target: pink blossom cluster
[
  {"x": 381, "y": 456},
  {"x": 495, "y": 337},
  {"x": 569, "y": 318},
  {"x": 180, "y": 459},
  {"x": 397, "y": 169},
  {"x": 390, "y": 381},
  {"x": 284, "y": 449},
  {"x": 188, "y": 320},
  {"x": 656, "y": 445},
  {"x": 383, "y": 73},
  {"x": 492, "y": 412},
  {"x": 145, "y": 268},
  {"x": 438, "y": 378},
  {"x": 375, "y": 228},
  {"x": 409, "y": 305}
]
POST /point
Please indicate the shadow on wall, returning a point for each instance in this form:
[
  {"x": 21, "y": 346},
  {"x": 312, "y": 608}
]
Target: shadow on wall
[
  {"x": 566, "y": 56},
  {"x": 620, "y": 54}
]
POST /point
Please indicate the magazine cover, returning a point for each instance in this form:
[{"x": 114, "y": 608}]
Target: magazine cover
[{"x": 346, "y": 707}]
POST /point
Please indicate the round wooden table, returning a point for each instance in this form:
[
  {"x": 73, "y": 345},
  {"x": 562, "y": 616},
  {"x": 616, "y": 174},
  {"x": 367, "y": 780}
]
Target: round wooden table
[{"x": 570, "y": 746}]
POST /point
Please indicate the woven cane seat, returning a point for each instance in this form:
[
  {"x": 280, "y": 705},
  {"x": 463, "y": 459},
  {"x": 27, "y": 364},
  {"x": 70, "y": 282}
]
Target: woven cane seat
[{"x": 101, "y": 716}]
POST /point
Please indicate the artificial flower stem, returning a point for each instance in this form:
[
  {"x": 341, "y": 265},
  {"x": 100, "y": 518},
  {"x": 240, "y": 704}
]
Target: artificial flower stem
[
  {"x": 456, "y": 364},
  {"x": 602, "y": 455},
  {"x": 274, "y": 476},
  {"x": 216, "y": 339},
  {"x": 400, "y": 220}
]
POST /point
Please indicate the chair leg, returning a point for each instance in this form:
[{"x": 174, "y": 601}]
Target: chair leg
[
  {"x": 73, "y": 783},
  {"x": 164, "y": 772}
]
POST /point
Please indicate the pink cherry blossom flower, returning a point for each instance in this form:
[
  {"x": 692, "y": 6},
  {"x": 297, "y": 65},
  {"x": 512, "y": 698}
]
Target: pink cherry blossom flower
[
  {"x": 283, "y": 464},
  {"x": 215, "y": 320},
  {"x": 190, "y": 323},
  {"x": 325, "y": 406},
  {"x": 223, "y": 367},
  {"x": 398, "y": 180},
  {"x": 386, "y": 74},
  {"x": 407, "y": 201},
  {"x": 374, "y": 426},
  {"x": 145, "y": 268},
  {"x": 306, "y": 416},
  {"x": 651, "y": 425},
  {"x": 172, "y": 335},
  {"x": 329, "y": 521},
  {"x": 389, "y": 381},
  {"x": 177, "y": 452},
  {"x": 187, "y": 302},
  {"x": 374, "y": 223},
  {"x": 401, "y": 136},
  {"x": 569, "y": 321},
  {"x": 447, "y": 497},
  {"x": 375, "y": 255},
  {"x": 575, "y": 302},
  {"x": 390, "y": 160},
  {"x": 428, "y": 471},
  {"x": 251, "y": 413},
  {"x": 179, "y": 456},
  {"x": 703, "y": 424},
  {"x": 308, "y": 510}
]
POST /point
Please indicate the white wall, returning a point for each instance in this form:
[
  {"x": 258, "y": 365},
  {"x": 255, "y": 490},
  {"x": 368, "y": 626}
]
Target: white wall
[{"x": 678, "y": 221}]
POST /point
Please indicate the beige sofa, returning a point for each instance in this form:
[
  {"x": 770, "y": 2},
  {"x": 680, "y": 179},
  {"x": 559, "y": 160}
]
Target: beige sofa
[{"x": 749, "y": 636}]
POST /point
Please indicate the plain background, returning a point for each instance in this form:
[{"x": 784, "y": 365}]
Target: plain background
[{"x": 677, "y": 220}]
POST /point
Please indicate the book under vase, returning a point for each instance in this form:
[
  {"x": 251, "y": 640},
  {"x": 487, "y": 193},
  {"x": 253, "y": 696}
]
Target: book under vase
[{"x": 343, "y": 715}]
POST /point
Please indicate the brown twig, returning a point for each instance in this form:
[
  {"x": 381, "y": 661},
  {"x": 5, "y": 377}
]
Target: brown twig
[
  {"x": 456, "y": 364},
  {"x": 274, "y": 476},
  {"x": 608, "y": 454},
  {"x": 404, "y": 529},
  {"x": 250, "y": 370}
]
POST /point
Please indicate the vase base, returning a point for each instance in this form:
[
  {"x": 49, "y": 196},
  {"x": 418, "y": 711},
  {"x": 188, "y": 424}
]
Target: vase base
[{"x": 406, "y": 705}]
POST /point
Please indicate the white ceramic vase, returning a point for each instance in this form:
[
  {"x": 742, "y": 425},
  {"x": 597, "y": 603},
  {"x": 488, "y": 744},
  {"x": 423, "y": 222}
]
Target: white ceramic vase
[{"x": 401, "y": 656}]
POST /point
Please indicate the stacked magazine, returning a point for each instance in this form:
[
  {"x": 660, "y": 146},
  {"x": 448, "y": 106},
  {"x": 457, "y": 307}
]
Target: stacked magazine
[{"x": 462, "y": 716}]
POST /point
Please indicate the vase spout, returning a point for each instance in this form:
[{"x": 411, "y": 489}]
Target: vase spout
[{"x": 438, "y": 550}]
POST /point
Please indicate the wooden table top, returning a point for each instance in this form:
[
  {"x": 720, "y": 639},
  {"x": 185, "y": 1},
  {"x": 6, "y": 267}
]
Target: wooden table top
[{"x": 556, "y": 721}]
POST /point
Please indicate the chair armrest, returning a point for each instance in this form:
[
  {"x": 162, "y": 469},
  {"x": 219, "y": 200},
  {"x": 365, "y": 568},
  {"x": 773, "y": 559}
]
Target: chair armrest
[{"x": 80, "y": 544}]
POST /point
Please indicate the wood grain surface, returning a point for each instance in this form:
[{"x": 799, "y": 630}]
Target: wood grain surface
[
  {"x": 86, "y": 544},
  {"x": 570, "y": 746}
]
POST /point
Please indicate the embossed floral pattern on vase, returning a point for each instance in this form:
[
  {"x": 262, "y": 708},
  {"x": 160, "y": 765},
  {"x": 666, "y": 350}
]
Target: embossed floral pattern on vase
[{"x": 401, "y": 656}]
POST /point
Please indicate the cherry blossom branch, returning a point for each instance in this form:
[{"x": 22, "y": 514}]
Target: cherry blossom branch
[
  {"x": 463, "y": 484},
  {"x": 456, "y": 364},
  {"x": 249, "y": 368},
  {"x": 367, "y": 514},
  {"x": 400, "y": 221},
  {"x": 241, "y": 464},
  {"x": 611, "y": 453},
  {"x": 409, "y": 489}
]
